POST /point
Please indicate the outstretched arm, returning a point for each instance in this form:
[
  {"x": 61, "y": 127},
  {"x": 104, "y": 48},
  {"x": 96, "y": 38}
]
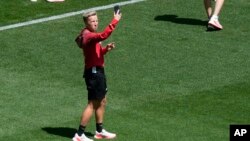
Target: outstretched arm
[{"x": 97, "y": 37}]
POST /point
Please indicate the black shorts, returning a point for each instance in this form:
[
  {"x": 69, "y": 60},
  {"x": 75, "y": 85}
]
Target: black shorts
[{"x": 96, "y": 83}]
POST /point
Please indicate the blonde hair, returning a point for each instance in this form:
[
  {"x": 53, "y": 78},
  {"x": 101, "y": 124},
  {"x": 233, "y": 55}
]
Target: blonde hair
[{"x": 87, "y": 15}]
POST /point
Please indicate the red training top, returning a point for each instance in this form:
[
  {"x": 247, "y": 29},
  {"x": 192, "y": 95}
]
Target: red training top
[{"x": 92, "y": 49}]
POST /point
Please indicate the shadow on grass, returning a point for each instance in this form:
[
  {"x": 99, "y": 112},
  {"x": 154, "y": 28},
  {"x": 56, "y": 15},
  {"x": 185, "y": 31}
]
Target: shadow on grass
[
  {"x": 176, "y": 19},
  {"x": 64, "y": 131}
]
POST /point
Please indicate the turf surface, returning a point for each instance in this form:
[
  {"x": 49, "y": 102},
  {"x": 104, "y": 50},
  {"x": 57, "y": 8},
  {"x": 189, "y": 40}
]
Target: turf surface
[{"x": 169, "y": 79}]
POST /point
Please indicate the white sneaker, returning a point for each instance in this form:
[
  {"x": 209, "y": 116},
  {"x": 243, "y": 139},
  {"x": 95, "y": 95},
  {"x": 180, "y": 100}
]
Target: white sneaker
[
  {"x": 215, "y": 23},
  {"x": 55, "y": 0},
  {"x": 81, "y": 138},
  {"x": 104, "y": 135}
]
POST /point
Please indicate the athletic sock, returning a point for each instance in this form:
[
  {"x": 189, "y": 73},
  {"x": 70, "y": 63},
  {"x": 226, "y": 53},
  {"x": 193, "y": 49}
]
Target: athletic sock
[
  {"x": 214, "y": 17},
  {"x": 99, "y": 127},
  {"x": 81, "y": 130}
]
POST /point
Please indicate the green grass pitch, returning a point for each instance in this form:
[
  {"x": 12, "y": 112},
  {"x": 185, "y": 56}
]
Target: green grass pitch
[{"x": 169, "y": 79}]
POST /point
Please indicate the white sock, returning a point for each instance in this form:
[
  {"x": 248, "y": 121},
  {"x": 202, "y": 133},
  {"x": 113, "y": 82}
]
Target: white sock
[{"x": 214, "y": 17}]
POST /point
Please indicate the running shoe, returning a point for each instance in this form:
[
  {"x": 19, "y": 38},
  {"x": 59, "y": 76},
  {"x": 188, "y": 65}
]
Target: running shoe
[
  {"x": 215, "y": 24},
  {"x": 55, "y": 0},
  {"x": 104, "y": 135},
  {"x": 81, "y": 138}
]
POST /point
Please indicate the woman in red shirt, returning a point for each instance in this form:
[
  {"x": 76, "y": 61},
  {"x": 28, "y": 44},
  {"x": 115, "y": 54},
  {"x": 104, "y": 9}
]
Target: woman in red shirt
[{"x": 94, "y": 73}]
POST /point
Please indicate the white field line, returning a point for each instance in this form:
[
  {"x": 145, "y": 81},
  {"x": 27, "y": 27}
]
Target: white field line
[{"x": 67, "y": 15}]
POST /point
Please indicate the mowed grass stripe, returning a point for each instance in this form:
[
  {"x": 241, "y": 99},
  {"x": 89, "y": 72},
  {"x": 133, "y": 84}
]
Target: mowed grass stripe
[
  {"x": 67, "y": 15},
  {"x": 167, "y": 80}
]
